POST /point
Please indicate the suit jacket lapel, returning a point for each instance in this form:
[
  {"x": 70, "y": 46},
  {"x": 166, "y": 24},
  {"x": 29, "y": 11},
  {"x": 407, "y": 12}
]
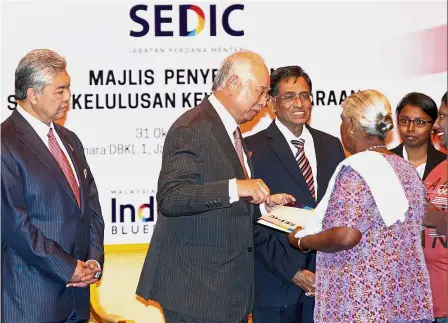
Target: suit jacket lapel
[
  {"x": 281, "y": 148},
  {"x": 223, "y": 139},
  {"x": 76, "y": 165},
  {"x": 221, "y": 136},
  {"x": 35, "y": 144}
]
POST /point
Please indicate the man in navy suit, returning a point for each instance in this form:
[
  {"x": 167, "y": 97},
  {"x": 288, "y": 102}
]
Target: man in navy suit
[
  {"x": 289, "y": 156},
  {"x": 51, "y": 223}
]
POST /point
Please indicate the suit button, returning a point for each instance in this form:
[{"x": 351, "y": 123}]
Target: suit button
[
  {"x": 249, "y": 249},
  {"x": 77, "y": 251}
]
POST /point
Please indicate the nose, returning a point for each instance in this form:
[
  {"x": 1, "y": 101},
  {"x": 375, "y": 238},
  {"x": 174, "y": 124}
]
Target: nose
[
  {"x": 263, "y": 101},
  {"x": 298, "y": 101},
  {"x": 436, "y": 125},
  {"x": 67, "y": 95},
  {"x": 411, "y": 127}
]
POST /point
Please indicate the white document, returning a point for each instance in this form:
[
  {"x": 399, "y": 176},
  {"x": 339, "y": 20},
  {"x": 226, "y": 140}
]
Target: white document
[{"x": 286, "y": 218}]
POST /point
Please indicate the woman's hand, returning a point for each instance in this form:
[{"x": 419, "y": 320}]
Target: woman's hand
[{"x": 293, "y": 241}]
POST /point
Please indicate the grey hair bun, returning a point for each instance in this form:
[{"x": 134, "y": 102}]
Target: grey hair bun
[{"x": 385, "y": 124}]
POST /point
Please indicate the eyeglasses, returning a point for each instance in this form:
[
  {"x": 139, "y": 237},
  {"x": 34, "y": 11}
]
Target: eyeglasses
[
  {"x": 267, "y": 97},
  {"x": 290, "y": 98},
  {"x": 416, "y": 122},
  {"x": 265, "y": 93},
  {"x": 261, "y": 90}
]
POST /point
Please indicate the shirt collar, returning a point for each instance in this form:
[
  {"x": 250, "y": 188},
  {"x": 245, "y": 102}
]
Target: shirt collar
[
  {"x": 305, "y": 135},
  {"x": 229, "y": 122},
  {"x": 38, "y": 126}
]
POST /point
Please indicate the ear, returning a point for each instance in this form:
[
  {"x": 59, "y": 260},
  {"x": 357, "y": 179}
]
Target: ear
[
  {"x": 31, "y": 95},
  {"x": 232, "y": 82},
  {"x": 351, "y": 125}
]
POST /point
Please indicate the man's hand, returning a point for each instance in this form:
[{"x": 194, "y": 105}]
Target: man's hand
[
  {"x": 278, "y": 199},
  {"x": 255, "y": 189},
  {"x": 305, "y": 280},
  {"x": 84, "y": 274}
]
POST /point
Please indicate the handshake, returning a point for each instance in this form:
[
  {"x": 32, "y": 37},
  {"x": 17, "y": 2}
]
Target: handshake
[{"x": 86, "y": 273}]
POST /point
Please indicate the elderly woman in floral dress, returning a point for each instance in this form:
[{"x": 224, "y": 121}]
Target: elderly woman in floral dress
[{"x": 370, "y": 263}]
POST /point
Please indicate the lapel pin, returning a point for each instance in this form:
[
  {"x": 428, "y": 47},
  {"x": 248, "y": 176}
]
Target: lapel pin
[{"x": 85, "y": 173}]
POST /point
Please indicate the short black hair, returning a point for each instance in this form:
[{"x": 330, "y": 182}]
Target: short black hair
[
  {"x": 420, "y": 100},
  {"x": 286, "y": 73},
  {"x": 444, "y": 98}
]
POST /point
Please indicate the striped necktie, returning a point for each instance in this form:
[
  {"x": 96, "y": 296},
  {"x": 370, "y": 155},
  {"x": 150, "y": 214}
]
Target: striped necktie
[{"x": 304, "y": 164}]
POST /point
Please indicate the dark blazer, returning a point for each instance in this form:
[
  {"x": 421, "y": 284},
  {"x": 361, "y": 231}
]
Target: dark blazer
[
  {"x": 200, "y": 260},
  {"x": 44, "y": 231},
  {"x": 434, "y": 157},
  {"x": 276, "y": 262}
]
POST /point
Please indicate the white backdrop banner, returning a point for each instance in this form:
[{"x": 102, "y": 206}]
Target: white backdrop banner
[{"x": 136, "y": 66}]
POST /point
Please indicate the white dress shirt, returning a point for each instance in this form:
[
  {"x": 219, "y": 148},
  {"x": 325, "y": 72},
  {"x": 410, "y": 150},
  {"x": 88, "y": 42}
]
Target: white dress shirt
[
  {"x": 42, "y": 131},
  {"x": 230, "y": 125},
  {"x": 420, "y": 168},
  {"x": 310, "y": 152}
]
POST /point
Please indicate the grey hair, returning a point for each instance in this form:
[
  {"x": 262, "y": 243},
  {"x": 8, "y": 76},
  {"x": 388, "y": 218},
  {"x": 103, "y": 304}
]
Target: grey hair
[
  {"x": 371, "y": 111},
  {"x": 36, "y": 70},
  {"x": 230, "y": 64}
]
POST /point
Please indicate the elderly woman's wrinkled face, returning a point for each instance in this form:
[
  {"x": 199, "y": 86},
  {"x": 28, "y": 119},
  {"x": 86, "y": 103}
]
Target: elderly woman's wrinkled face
[{"x": 414, "y": 126}]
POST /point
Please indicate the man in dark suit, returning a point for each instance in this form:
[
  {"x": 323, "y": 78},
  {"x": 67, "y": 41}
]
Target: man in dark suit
[
  {"x": 199, "y": 266},
  {"x": 289, "y": 156},
  {"x": 52, "y": 228}
]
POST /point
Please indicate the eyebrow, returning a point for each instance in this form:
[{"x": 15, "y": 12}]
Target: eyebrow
[{"x": 63, "y": 87}]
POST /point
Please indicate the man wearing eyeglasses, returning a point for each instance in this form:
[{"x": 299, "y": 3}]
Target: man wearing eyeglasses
[
  {"x": 289, "y": 156},
  {"x": 200, "y": 265}
]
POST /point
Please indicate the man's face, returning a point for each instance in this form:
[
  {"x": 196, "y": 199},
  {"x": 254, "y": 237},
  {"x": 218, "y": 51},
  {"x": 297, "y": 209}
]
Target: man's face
[
  {"x": 52, "y": 103},
  {"x": 414, "y": 134},
  {"x": 441, "y": 125},
  {"x": 250, "y": 95},
  {"x": 293, "y": 102}
]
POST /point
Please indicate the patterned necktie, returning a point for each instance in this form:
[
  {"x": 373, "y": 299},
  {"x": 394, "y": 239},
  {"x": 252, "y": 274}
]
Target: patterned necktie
[
  {"x": 62, "y": 160},
  {"x": 239, "y": 148},
  {"x": 304, "y": 165}
]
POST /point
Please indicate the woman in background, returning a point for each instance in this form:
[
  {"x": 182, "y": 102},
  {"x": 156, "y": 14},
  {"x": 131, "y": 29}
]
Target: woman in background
[
  {"x": 370, "y": 263},
  {"x": 434, "y": 245},
  {"x": 416, "y": 114}
]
